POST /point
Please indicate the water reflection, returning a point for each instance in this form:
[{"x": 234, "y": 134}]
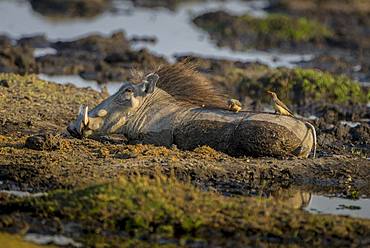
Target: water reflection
[
  {"x": 43, "y": 239},
  {"x": 321, "y": 204},
  {"x": 76, "y": 80},
  {"x": 294, "y": 198},
  {"x": 339, "y": 206}
]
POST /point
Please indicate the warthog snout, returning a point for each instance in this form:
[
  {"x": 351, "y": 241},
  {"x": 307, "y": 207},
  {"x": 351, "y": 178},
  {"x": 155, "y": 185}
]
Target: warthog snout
[{"x": 85, "y": 124}]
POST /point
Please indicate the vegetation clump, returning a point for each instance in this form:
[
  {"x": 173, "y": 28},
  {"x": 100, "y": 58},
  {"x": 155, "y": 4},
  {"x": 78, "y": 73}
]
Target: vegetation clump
[
  {"x": 285, "y": 28},
  {"x": 275, "y": 30},
  {"x": 163, "y": 210},
  {"x": 298, "y": 86}
]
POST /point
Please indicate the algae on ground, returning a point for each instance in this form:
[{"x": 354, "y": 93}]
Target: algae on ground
[
  {"x": 162, "y": 210},
  {"x": 244, "y": 32}
]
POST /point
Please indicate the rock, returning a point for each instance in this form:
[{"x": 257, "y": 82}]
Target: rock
[
  {"x": 17, "y": 59},
  {"x": 42, "y": 142},
  {"x": 36, "y": 41},
  {"x": 4, "y": 83},
  {"x": 97, "y": 58},
  {"x": 145, "y": 39},
  {"x": 361, "y": 134},
  {"x": 96, "y": 44},
  {"x": 70, "y": 8}
]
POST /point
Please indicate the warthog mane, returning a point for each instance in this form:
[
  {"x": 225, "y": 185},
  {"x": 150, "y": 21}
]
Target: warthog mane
[{"x": 186, "y": 85}]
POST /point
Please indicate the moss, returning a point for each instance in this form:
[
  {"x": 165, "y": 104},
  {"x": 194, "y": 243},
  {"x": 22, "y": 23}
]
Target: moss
[
  {"x": 298, "y": 86},
  {"x": 274, "y": 30},
  {"x": 15, "y": 241},
  {"x": 162, "y": 209},
  {"x": 284, "y": 28}
]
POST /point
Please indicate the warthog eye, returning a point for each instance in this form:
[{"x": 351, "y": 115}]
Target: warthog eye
[{"x": 128, "y": 90}]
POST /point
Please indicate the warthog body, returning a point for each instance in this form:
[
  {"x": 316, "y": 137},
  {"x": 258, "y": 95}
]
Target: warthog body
[{"x": 170, "y": 114}]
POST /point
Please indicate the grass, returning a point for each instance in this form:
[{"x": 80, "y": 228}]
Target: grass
[
  {"x": 141, "y": 210},
  {"x": 284, "y": 28},
  {"x": 275, "y": 30}
]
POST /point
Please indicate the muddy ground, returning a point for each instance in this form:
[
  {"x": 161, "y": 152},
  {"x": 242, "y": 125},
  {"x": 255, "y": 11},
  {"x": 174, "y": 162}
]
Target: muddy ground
[
  {"x": 55, "y": 160},
  {"x": 110, "y": 193},
  {"x": 37, "y": 155},
  {"x": 101, "y": 199}
]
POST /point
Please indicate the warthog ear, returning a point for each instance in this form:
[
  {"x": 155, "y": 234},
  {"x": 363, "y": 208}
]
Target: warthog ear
[{"x": 150, "y": 82}]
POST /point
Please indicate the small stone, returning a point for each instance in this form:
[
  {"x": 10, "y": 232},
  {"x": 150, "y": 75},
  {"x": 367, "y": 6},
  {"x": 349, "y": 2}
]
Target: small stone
[
  {"x": 42, "y": 142},
  {"x": 4, "y": 83}
]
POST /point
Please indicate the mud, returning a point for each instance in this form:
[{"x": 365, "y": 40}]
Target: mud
[{"x": 46, "y": 142}]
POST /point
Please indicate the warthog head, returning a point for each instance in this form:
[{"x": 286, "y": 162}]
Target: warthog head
[{"x": 111, "y": 114}]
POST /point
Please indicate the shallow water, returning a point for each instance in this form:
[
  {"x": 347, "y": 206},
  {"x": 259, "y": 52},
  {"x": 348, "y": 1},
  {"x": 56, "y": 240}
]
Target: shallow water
[
  {"x": 112, "y": 87},
  {"x": 22, "y": 193},
  {"x": 58, "y": 240},
  {"x": 339, "y": 206},
  {"x": 174, "y": 30}
]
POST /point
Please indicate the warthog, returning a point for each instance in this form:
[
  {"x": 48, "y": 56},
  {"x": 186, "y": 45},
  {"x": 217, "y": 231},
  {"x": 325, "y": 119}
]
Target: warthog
[{"x": 176, "y": 105}]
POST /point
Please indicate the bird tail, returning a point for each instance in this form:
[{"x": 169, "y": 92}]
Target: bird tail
[{"x": 313, "y": 130}]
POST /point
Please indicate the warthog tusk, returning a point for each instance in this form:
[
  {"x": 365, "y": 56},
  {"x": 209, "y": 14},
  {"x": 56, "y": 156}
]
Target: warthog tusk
[
  {"x": 86, "y": 116},
  {"x": 102, "y": 113}
]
